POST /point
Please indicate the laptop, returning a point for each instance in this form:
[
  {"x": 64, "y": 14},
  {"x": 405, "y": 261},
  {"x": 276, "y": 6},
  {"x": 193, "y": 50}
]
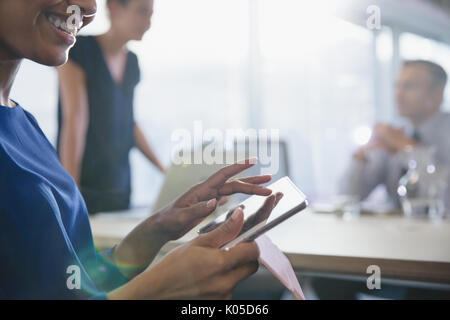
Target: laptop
[{"x": 181, "y": 177}]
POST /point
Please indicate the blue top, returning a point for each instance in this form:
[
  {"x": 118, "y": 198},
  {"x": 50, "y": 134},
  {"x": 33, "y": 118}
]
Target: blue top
[
  {"x": 105, "y": 169},
  {"x": 46, "y": 245}
]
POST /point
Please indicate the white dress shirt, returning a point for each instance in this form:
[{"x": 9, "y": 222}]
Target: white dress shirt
[{"x": 383, "y": 167}]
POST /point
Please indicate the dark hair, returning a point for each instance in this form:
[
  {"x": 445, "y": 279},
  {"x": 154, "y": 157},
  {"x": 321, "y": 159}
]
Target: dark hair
[{"x": 437, "y": 72}]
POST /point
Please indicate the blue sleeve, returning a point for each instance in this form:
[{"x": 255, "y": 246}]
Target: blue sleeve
[
  {"x": 109, "y": 276},
  {"x": 46, "y": 245},
  {"x": 106, "y": 275},
  {"x": 101, "y": 296}
]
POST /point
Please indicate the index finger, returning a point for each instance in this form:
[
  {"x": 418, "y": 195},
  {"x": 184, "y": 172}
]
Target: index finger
[
  {"x": 221, "y": 176},
  {"x": 263, "y": 212}
]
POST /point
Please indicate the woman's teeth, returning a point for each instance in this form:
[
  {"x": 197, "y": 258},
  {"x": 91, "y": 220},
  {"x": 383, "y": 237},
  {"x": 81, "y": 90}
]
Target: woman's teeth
[{"x": 62, "y": 25}]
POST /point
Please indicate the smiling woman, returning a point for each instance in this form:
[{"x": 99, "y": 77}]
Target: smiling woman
[
  {"x": 45, "y": 235},
  {"x": 34, "y": 35}
]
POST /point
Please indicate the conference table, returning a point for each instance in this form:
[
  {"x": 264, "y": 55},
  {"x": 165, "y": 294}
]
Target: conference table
[{"x": 405, "y": 250}]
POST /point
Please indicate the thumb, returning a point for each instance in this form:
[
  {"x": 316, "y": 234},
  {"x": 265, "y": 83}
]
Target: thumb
[{"x": 223, "y": 234}]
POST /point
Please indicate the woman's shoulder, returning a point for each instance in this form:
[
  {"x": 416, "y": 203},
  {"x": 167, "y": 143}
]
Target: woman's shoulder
[
  {"x": 16, "y": 116},
  {"x": 32, "y": 119}
]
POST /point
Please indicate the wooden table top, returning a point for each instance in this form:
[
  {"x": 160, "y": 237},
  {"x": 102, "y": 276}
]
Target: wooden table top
[{"x": 404, "y": 249}]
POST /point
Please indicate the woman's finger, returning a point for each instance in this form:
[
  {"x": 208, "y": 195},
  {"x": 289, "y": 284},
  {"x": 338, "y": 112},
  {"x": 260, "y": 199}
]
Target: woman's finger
[
  {"x": 223, "y": 200},
  {"x": 213, "y": 225},
  {"x": 278, "y": 196},
  {"x": 262, "y": 214},
  {"x": 226, "y": 232},
  {"x": 257, "y": 179},
  {"x": 237, "y": 186},
  {"x": 242, "y": 272},
  {"x": 221, "y": 176},
  {"x": 199, "y": 210},
  {"x": 241, "y": 254},
  {"x": 227, "y": 281}
]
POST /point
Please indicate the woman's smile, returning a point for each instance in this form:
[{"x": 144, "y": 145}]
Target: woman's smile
[
  {"x": 43, "y": 30},
  {"x": 63, "y": 26}
]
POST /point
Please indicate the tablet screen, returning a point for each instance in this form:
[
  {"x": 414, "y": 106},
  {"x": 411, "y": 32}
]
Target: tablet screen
[{"x": 292, "y": 198}]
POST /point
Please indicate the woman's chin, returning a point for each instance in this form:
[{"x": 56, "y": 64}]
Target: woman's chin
[{"x": 53, "y": 58}]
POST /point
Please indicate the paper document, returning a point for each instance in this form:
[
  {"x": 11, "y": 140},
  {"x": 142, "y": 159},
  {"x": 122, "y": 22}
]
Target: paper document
[{"x": 279, "y": 265}]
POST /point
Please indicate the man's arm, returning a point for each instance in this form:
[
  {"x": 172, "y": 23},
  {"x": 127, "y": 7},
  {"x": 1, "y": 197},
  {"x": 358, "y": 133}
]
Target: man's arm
[
  {"x": 143, "y": 146},
  {"x": 364, "y": 173},
  {"x": 75, "y": 117},
  {"x": 369, "y": 165}
]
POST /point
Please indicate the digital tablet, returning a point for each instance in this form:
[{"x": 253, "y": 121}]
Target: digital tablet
[{"x": 292, "y": 202}]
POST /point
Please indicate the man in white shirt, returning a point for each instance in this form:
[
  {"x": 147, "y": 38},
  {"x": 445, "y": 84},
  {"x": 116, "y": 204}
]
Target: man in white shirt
[{"x": 420, "y": 92}]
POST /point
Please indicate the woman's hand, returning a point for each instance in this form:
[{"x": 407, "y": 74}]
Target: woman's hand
[
  {"x": 259, "y": 216},
  {"x": 197, "y": 270},
  {"x": 200, "y": 201},
  {"x": 137, "y": 250}
]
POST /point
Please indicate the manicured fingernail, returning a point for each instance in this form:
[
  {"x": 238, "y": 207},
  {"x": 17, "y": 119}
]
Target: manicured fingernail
[
  {"x": 236, "y": 214},
  {"x": 211, "y": 203}
]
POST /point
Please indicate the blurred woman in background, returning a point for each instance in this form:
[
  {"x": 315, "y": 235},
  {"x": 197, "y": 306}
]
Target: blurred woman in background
[{"x": 97, "y": 129}]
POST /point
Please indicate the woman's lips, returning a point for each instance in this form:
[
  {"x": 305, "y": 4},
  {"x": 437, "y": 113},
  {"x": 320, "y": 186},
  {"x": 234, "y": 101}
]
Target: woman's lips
[{"x": 65, "y": 31}]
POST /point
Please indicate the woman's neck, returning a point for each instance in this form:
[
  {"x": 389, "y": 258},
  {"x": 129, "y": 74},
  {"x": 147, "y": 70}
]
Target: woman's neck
[
  {"x": 112, "y": 42},
  {"x": 8, "y": 71}
]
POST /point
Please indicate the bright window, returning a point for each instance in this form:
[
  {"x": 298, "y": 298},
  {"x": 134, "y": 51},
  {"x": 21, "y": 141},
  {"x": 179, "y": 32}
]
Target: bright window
[
  {"x": 317, "y": 88},
  {"x": 274, "y": 64}
]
